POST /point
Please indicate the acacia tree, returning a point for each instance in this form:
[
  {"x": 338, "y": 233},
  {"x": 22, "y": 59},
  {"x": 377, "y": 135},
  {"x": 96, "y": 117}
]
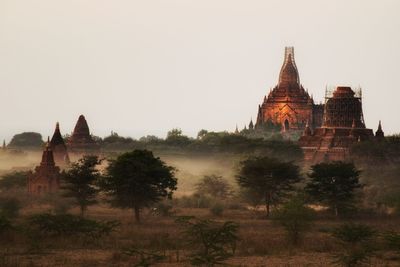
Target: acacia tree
[
  {"x": 137, "y": 179},
  {"x": 214, "y": 185},
  {"x": 333, "y": 184},
  {"x": 269, "y": 177},
  {"x": 79, "y": 182}
]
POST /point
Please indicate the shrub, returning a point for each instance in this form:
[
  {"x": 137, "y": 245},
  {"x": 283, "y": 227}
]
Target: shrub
[
  {"x": 5, "y": 224},
  {"x": 217, "y": 209},
  {"x": 213, "y": 242},
  {"x": 69, "y": 225},
  {"x": 356, "y": 246},
  {"x": 215, "y": 186},
  {"x": 295, "y": 217},
  {"x": 9, "y": 207},
  {"x": 163, "y": 209},
  {"x": 392, "y": 240}
]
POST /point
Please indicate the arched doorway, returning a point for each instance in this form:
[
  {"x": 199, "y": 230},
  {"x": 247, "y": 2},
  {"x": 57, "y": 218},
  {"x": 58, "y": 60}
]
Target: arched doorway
[{"x": 286, "y": 125}]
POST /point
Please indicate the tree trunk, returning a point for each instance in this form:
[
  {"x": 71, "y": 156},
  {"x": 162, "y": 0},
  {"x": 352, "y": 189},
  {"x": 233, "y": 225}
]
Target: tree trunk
[
  {"x": 82, "y": 211},
  {"x": 137, "y": 214},
  {"x": 336, "y": 211},
  {"x": 267, "y": 203}
]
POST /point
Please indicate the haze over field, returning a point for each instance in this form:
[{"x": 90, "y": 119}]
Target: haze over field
[{"x": 144, "y": 67}]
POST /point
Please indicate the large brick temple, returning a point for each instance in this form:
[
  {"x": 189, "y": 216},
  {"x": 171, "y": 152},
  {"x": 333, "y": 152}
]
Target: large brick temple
[
  {"x": 329, "y": 129},
  {"x": 288, "y": 105}
]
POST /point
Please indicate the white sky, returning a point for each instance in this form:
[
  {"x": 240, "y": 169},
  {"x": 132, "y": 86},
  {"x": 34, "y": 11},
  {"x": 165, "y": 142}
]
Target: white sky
[{"x": 144, "y": 67}]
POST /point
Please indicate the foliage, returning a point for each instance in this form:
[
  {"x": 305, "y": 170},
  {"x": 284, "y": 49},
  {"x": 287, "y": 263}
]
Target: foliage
[
  {"x": 333, "y": 184},
  {"x": 372, "y": 152},
  {"x": 116, "y": 142},
  {"x": 176, "y": 138},
  {"x": 14, "y": 180},
  {"x": 392, "y": 239},
  {"x": 213, "y": 242},
  {"x": 137, "y": 179},
  {"x": 217, "y": 209},
  {"x": 147, "y": 258},
  {"x": 164, "y": 209},
  {"x": 195, "y": 201},
  {"x": 269, "y": 177},
  {"x": 70, "y": 225},
  {"x": 80, "y": 181},
  {"x": 26, "y": 140},
  {"x": 5, "y": 224},
  {"x": 356, "y": 244},
  {"x": 9, "y": 207},
  {"x": 295, "y": 217},
  {"x": 215, "y": 186}
]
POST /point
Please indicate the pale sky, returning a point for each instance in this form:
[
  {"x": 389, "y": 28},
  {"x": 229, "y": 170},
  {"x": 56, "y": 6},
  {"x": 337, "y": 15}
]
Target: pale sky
[{"x": 144, "y": 67}]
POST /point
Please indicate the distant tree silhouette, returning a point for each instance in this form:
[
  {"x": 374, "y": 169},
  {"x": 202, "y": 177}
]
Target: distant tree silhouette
[
  {"x": 137, "y": 179},
  {"x": 26, "y": 140},
  {"x": 79, "y": 182},
  {"x": 269, "y": 177},
  {"x": 333, "y": 184}
]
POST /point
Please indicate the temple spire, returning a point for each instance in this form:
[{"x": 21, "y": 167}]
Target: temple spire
[
  {"x": 289, "y": 73},
  {"x": 379, "y": 133}
]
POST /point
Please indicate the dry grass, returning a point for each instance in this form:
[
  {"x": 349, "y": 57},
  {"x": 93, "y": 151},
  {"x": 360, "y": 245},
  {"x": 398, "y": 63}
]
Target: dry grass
[{"x": 262, "y": 242}]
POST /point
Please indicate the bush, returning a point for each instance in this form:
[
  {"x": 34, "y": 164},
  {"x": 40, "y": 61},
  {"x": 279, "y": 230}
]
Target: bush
[
  {"x": 71, "y": 225},
  {"x": 295, "y": 217},
  {"x": 5, "y": 224},
  {"x": 163, "y": 209},
  {"x": 217, "y": 209},
  {"x": 195, "y": 201},
  {"x": 14, "y": 180},
  {"x": 213, "y": 242},
  {"x": 9, "y": 207},
  {"x": 215, "y": 186},
  {"x": 356, "y": 246},
  {"x": 392, "y": 240}
]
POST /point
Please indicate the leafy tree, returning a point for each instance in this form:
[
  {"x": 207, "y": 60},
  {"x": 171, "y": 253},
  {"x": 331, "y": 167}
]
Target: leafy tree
[
  {"x": 175, "y": 137},
  {"x": 9, "y": 207},
  {"x": 333, "y": 184},
  {"x": 26, "y": 140},
  {"x": 202, "y": 133},
  {"x": 214, "y": 185},
  {"x": 14, "y": 180},
  {"x": 213, "y": 242},
  {"x": 268, "y": 177},
  {"x": 356, "y": 244},
  {"x": 137, "y": 179},
  {"x": 80, "y": 181},
  {"x": 295, "y": 217}
]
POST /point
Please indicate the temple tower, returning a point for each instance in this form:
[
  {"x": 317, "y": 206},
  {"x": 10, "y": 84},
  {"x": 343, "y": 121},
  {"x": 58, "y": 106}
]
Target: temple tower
[
  {"x": 46, "y": 176},
  {"x": 288, "y": 104},
  {"x": 81, "y": 140},
  {"x": 59, "y": 148}
]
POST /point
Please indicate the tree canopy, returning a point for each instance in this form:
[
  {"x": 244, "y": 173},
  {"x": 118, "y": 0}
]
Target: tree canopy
[
  {"x": 26, "y": 140},
  {"x": 269, "y": 177},
  {"x": 80, "y": 181},
  {"x": 333, "y": 184},
  {"x": 137, "y": 179}
]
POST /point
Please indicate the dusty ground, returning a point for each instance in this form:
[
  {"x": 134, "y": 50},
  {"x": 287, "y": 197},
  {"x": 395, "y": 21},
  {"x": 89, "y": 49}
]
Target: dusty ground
[{"x": 262, "y": 243}]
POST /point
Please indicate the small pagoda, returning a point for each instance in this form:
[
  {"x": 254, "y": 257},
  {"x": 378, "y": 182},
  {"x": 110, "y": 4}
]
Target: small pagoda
[
  {"x": 46, "y": 176},
  {"x": 81, "y": 140},
  {"x": 59, "y": 148}
]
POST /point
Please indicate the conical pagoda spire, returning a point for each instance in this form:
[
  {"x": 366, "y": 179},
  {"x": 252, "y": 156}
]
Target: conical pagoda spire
[
  {"x": 379, "y": 133},
  {"x": 57, "y": 138},
  {"x": 81, "y": 140},
  {"x": 47, "y": 156},
  {"x": 289, "y": 73}
]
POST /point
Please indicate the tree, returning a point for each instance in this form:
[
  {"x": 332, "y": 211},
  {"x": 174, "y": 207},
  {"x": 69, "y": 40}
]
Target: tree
[
  {"x": 214, "y": 185},
  {"x": 214, "y": 242},
  {"x": 269, "y": 177},
  {"x": 176, "y": 138},
  {"x": 356, "y": 243},
  {"x": 137, "y": 179},
  {"x": 14, "y": 180},
  {"x": 295, "y": 217},
  {"x": 80, "y": 181},
  {"x": 333, "y": 184},
  {"x": 26, "y": 140}
]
